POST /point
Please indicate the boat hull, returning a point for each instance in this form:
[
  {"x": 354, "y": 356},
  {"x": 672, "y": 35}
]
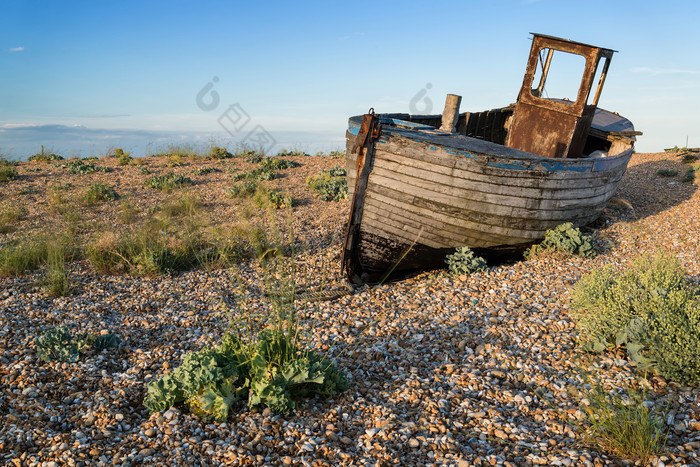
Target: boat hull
[{"x": 427, "y": 194}]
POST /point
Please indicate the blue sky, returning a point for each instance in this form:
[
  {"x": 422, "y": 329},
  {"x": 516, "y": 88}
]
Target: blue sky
[{"x": 81, "y": 76}]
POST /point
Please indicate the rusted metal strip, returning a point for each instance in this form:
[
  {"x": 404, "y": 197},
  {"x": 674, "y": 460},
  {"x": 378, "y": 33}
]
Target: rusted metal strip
[{"x": 370, "y": 131}]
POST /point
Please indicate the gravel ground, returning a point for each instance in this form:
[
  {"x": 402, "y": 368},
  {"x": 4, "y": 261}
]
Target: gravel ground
[{"x": 443, "y": 370}]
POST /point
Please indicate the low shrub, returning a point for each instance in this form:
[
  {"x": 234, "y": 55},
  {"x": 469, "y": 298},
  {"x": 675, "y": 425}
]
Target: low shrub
[
  {"x": 272, "y": 163},
  {"x": 58, "y": 344},
  {"x": 254, "y": 157},
  {"x": 205, "y": 170},
  {"x": 125, "y": 159},
  {"x": 10, "y": 215},
  {"x": 219, "y": 153},
  {"x": 330, "y": 185},
  {"x": 167, "y": 182},
  {"x": 333, "y": 154},
  {"x": 564, "y": 238},
  {"x": 98, "y": 192},
  {"x": 667, "y": 173},
  {"x": 80, "y": 167},
  {"x": 245, "y": 189},
  {"x": 7, "y": 173},
  {"x": 175, "y": 161},
  {"x": 650, "y": 310},
  {"x": 285, "y": 153},
  {"x": 690, "y": 175},
  {"x": 261, "y": 173},
  {"x": 264, "y": 198},
  {"x": 56, "y": 275},
  {"x": 45, "y": 156},
  {"x": 463, "y": 261},
  {"x": 18, "y": 257},
  {"x": 271, "y": 371}
]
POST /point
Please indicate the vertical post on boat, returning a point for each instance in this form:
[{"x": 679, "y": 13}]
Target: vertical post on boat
[{"x": 451, "y": 113}]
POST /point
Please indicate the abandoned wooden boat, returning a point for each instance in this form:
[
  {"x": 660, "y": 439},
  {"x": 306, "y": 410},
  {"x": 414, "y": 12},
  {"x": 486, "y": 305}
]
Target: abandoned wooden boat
[{"x": 495, "y": 181}]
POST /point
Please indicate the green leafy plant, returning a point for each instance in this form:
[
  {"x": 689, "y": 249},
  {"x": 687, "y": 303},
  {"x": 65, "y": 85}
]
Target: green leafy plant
[
  {"x": 255, "y": 158},
  {"x": 260, "y": 173},
  {"x": 22, "y": 255},
  {"x": 690, "y": 175},
  {"x": 564, "y": 238},
  {"x": 80, "y": 167},
  {"x": 264, "y": 198},
  {"x": 98, "y": 192},
  {"x": 244, "y": 189},
  {"x": 58, "y": 344},
  {"x": 272, "y": 163},
  {"x": 10, "y": 215},
  {"x": 7, "y": 173},
  {"x": 175, "y": 160},
  {"x": 205, "y": 170},
  {"x": 124, "y": 158},
  {"x": 330, "y": 185},
  {"x": 56, "y": 276},
  {"x": 105, "y": 341},
  {"x": 286, "y": 153},
  {"x": 45, "y": 156},
  {"x": 219, "y": 153},
  {"x": 650, "y": 310},
  {"x": 263, "y": 358},
  {"x": 333, "y": 154},
  {"x": 623, "y": 424},
  {"x": 167, "y": 182},
  {"x": 667, "y": 173},
  {"x": 28, "y": 191},
  {"x": 463, "y": 261}
]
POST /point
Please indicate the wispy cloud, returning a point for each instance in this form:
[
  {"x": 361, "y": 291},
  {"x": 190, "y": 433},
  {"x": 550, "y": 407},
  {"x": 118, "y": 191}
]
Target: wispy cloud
[
  {"x": 665, "y": 71},
  {"x": 15, "y": 49}
]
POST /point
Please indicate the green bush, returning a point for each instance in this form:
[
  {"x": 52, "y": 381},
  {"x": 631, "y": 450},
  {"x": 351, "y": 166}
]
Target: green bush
[
  {"x": 10, "y": 215},
  {"x": 333, "y": 154},
  {"x": 7, "y": 173},
  {"x": 330, "y": 185},
  {"x": 649, "y": 309},
  {"x": 272, "y": 163},
  {"x": 125, "y": 159},
  {"x": 667, "y": 173},
  {"x": 285, "y": 153},
  {"x": 270, "y": 371},
  {"x": 56, "y": 275},
  {"x": 690, "y": 175},
  {"x": 245, "y": 189},
  {"x": 261, "y": 173},
  {"x": 80, "y": 167},
  {"x": 98, "y": 192},
  {"x": 255, "y": 158},
  {"x": 564, "y": 238},
  {"x": 463, "y": 261},
  {"x": 205, "y": 170},
  {"x": 58, "y": 344},
  {"x": 264, "y": 198},
  {"x": 21, "y": 256},
  {"x": 167, "y": 182},
  {"x": 45, "y": 157},
  {"x": 219, "y": 153}
]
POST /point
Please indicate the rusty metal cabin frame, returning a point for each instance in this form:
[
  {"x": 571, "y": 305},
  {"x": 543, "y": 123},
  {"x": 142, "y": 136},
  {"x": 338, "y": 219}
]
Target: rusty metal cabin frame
[{"x": 556, "y": 128}]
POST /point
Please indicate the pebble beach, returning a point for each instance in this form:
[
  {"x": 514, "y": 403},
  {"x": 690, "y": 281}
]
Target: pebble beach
[{"x": 444, "y": 370}]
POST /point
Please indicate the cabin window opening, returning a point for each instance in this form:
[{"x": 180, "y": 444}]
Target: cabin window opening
[
  {"x": 598, "y": 80},
  {"x": 558, "y": 75}
]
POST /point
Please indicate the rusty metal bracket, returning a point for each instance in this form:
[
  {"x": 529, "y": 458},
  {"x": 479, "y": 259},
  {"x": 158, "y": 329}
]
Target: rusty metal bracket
[
  {"x": 370, "y": 131},
  {"x": 370, "y": 128}
]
